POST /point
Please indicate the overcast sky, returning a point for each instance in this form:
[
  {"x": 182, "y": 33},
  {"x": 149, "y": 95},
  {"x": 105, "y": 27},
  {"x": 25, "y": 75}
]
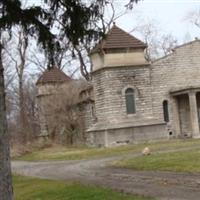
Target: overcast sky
[{"x": 169, "y": 14}]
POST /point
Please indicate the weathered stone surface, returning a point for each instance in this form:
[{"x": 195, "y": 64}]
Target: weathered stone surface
[
  {"x": 179, "y": 71},
  {"x": 173, "y": 78},
  {"x": 170, "y": 78}
]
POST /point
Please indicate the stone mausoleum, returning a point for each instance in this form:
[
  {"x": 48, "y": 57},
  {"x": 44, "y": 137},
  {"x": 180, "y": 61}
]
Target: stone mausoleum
[{"x": 133, "y": 100}]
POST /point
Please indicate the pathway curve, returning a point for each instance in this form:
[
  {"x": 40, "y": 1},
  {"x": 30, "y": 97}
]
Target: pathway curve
[{"x": 162, "y": 185}]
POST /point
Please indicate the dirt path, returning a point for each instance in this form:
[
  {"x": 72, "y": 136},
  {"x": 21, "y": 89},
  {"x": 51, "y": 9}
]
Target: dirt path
[{"x": 162, "y": 185}]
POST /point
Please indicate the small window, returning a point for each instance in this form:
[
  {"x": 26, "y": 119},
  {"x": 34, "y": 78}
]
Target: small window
[
  {"x": 130, "y": 101},
  {"x": 165, "y": 111},
  {"x": 93, "y": 114}
]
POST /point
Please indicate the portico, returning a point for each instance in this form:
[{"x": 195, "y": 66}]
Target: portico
[{"x": 186, "y": 112}]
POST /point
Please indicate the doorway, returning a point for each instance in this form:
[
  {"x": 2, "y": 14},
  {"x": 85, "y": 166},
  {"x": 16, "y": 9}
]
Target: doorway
[{"x": 184, "y": 115}]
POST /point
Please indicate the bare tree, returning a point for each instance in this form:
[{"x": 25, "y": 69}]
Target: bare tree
[
  {"x": 149, "y": 33},
  {"x": 19, "y": 60},
  {"x": 31, "y": 109},
  {"x": 158, "y": 43},
  {"x": 63, "y": 119},
  {"x": 167, "y": 43},
  {"x": 194, "y": 17},
  {"x": 37, "y": 22},
  {"x": 77, "y": 56},
  {"x": 20, "y": 67},
  {"x": 63, "y": 60},
  {"x": 110, "y": 13},
  {"x": 30, "y": 112}
]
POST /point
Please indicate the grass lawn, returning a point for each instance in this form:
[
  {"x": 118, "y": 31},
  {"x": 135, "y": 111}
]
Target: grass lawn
[
  {"x": 183, "y": 161},
  {"x": 63, "y": 153},
  {"x": 38, "y": 189}
]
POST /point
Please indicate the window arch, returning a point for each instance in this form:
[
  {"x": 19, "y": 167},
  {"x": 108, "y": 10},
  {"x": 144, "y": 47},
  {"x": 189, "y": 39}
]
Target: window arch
[
  {"x": 130, "y": 101},
  {"x": 165, "y": 111}
]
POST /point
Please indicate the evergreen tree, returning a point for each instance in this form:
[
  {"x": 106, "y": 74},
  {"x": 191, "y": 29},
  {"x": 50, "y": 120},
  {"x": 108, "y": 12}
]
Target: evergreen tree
[{"x": 76, "y": 21}]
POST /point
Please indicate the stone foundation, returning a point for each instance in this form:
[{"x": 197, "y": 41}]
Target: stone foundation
[{"x": 129, "y": 135}]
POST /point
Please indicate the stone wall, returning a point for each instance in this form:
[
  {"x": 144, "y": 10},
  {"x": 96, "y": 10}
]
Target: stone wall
[
  {"x": 130, "y": 135},
  {"x": 109, "y": 93},
  {"x": 45, "y": 98},
  {"x": 56, "y": 109},
  {"x": 118, "y": 57},
  {"x": 179, "y": 70},
  {"x": 53, "y": 101},
  {"x": 152, "y": 85},
  {"x": 87, "y": 115},
  {"x": 114, "y": 126}
]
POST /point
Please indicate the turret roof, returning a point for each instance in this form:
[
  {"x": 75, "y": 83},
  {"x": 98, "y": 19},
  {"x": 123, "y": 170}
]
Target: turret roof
[
  {"x": 53, "y": 75},
  {"x": 117, "y": 38}
]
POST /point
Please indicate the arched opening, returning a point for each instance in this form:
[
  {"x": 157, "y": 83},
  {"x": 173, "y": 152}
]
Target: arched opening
[
  {"x": 165, "y": 111},
  {"x": 130, "y": 101}
]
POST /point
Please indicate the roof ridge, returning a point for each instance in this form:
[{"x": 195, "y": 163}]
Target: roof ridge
[
  {"x": 126, "y": 32},
  {"x": 53, "y": 75},
  {"x": 117, "y": 38}
]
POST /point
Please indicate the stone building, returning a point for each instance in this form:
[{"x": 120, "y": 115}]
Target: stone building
[
  {"x": 134, "y": 100},
  {"x": 64, "y": 106},
  {"x": 49, "y": 84}
]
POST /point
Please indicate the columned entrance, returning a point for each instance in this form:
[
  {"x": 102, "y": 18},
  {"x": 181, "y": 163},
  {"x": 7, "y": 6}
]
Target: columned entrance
[
  {"x": 186, "y": 113},
  {"x": 194, "y": 114},
  {"x": 198, "y": 106}
]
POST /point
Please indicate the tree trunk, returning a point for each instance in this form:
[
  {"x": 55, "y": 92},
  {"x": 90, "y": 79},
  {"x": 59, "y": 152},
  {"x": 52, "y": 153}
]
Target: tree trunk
[
  {"x": 23, "y": 122},
  {"x": 22, "y": 48},
  {"x": 5, "y": 168}
]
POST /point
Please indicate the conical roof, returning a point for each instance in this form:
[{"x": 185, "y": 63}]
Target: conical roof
[
  {"x": 53, "y": 75},
  {"x": 117, "y": 38}
]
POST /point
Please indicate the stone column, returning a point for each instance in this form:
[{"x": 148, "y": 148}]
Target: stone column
[
  {"x": 194, "y": 115},
  {"x": 106, "y": 138},
  {"x": 176, "y": 119}
]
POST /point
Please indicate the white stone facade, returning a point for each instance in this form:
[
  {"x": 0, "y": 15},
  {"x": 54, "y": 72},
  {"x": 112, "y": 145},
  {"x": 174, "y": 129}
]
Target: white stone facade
[
  {"x": 165, "y": 96},
  {"x": 174, "y": 79}
]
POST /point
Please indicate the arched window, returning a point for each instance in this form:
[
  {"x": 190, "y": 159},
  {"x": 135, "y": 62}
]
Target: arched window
[
  {"x": 165, "y": 111},
  {"x": 130, "y": 101}
]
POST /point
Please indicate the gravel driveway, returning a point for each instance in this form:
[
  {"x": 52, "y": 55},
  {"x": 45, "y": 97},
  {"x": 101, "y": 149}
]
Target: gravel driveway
[{"x": 162, "y": 185}]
